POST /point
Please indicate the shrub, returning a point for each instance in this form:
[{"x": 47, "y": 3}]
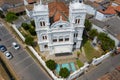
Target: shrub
[
  {"x": 32, "y": 23},
  {"x": 25, "y": 26},
  {"x": 51, "y": 64},
  {"x": 32, "y": 31},
  {"x": 88, "y": 25},
  {"x": 106, "y": 42},
  {"x": 64, "y": 72},
  {"x": 1, "y": 14},
  {"x": 29, "y": 40},
  {"x": 11, "y": 17},
  {"x": 92, "y": 33}
]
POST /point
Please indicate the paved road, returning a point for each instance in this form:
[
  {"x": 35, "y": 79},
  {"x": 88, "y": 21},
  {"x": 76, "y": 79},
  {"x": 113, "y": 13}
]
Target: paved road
[
  {"x": 22, "y": 63},
  {"x": 103, "y": 68}
]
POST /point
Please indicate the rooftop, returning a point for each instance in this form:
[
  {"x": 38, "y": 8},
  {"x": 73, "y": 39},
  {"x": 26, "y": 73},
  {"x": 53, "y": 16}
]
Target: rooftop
[
  {"x": 77, "y": 5},
  {"x": 109, "y": 10},
  {"x": 21, "y": 8},
  {"x": 117, "y": 1},
  {"x": 114, "y": 75},
  {"x": 13, "y": 2},
  {"x": 112, "y": 25},
  {"x": 57, "y": 9}
]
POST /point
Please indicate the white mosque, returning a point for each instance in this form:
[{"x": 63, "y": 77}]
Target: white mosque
[{"x": 59, "y": 28}]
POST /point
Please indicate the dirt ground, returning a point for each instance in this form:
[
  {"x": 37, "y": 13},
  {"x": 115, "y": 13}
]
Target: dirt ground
[{"x": 3, "y": 74}]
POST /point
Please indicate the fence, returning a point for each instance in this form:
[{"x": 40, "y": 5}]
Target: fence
[{"x": 100, "y": 59}]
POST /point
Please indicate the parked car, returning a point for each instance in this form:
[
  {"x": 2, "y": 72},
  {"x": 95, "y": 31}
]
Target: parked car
[
  {"x": 15, "y": 45},
  {"x": 3, "y": 48},
  {"x": 8, "y": 55}
]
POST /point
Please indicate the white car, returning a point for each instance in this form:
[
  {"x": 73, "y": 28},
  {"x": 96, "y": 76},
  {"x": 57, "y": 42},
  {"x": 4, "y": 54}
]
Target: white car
[
  {"x": 15, "y": 45},
  {"x": 8, "y": 55}
]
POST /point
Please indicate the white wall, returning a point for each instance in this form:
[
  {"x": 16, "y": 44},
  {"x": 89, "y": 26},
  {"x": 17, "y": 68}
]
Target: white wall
[
  {"x": 99, "y": 16},
  {"x": 90, "y": 10},
  {"x": 96, "y": 61}
]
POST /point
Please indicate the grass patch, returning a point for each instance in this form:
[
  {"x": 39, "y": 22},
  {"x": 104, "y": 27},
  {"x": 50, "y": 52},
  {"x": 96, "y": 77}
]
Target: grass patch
[
  {"x": 79, "y": 63},
  {"x": 90, "y": 51}
]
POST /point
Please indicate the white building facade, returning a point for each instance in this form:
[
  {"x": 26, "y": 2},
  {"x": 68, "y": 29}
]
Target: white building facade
[{"x": 60, "y": 36}]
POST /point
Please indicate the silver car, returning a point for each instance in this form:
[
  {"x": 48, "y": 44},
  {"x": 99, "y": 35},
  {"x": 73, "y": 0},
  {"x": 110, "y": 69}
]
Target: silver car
[
  {"x": 15, "y": 45},
  {"x": 8, "y": 55}
]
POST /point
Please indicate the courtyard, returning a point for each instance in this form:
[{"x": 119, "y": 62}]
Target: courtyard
[{"x": 86, "y": 53}]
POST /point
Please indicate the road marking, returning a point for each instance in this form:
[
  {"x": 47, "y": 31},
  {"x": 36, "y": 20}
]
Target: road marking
[
  {"x": 26, "y": 68},
  {"x": 22, "y": 60}
]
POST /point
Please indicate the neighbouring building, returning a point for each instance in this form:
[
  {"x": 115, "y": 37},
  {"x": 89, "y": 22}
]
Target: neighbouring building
[
  {"x": 59, "y": 28},
  {"x": 113, "y": 75},
  {"x": 6, "y": 4}
]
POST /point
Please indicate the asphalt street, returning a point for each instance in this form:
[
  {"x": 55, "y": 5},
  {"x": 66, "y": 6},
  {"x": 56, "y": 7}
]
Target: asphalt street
[
  {"x": 22, "y": 63},
  {"x": 106, "y": 66}
]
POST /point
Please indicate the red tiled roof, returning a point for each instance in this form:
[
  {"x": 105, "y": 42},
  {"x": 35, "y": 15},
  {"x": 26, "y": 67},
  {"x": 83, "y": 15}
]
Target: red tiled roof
[
  {"x": 57, "y": 9},
  {"x": 117, "y": 1},
  {"x": 117, "y": 8},
  {"x": 31, "y": 1},
  {"x": 109, "y": 10}
]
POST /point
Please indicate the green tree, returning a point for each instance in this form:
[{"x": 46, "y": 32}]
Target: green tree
[
  {"x": 51, "y": 64},
  {"x": 25, "y": 26},
  {"x": 102, "y": 36},
  {"x": 1, "y": 14},
  {"x": 10, "y": 17},
  {"x": 32, "y": 23},
  {"x": 64, "y": 72},
  {"x": 29, "y": 40},
  {"x": 106, "y": 42},
  {"x": 32, "y": 31},
  {"x": 88, "y": 25},
  {"x": 92, "y": 33}
]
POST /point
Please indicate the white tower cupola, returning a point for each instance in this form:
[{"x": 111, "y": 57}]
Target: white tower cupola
[{"x": 77, "y": 13}]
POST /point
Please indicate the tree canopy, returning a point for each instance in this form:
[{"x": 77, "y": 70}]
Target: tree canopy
[
  {"x": 10, "y": 17},
  {"x": 32, "y": 31},
  {"x": 32, "y": 23},
  {"x": 25, "y": 26},
  {"x": 1, "y": 14},
  {"x": 106, "y": 42},
  {"x": 64, "y": 72},
  {"x": 29, "y": 40},
  {"x": 51, "y": 64},
  {"x": 92, "y": 33},
  {"x": 88, "y": 25}
]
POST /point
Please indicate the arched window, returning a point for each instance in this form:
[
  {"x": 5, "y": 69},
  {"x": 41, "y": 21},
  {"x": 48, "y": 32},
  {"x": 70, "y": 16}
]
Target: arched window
[
  {"x": 54, "y": 39},
  {"x": 76, "y": 34},
  {"x": 46, "y": 46},
  {"x": 42, "y": 23},
  {"x": 60, "y": 39},
  {"x": 77, "y": 21},
  {"x": 44, "y": 37},
  {"x": 66, "y": 38}
]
